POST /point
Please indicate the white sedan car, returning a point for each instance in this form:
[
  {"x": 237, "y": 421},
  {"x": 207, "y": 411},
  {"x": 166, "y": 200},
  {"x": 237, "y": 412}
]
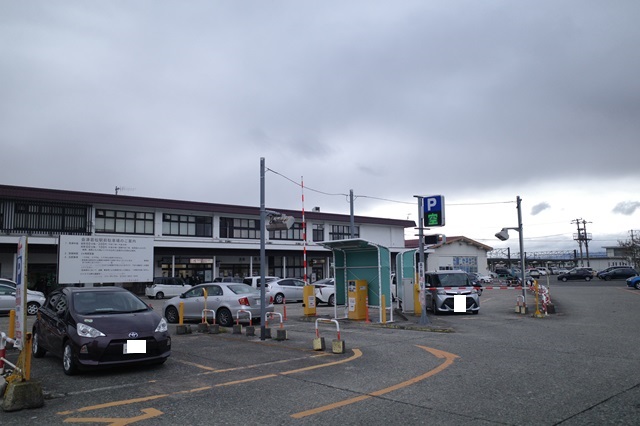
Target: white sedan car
[{"x": 326, "y": 293}]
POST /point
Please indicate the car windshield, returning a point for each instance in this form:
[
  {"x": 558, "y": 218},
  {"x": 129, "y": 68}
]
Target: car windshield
[
  {"x": 98, "y": 302},
  {"x": 241, "y": 288},
  {"x": 452, "y": 280}
]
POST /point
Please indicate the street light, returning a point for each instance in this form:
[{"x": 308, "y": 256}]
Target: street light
[
  {"x": 277, "y": 221},
  {"x": 503, "y": 235}
]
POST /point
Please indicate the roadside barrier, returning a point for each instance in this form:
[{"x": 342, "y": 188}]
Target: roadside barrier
[
  {"x": 281, "y": 333},
  {"x": 338, "y": 346},
  {"x": 204, "y": 316},
  {"x": 4, "y": 339},
  {"x": 237, "y": 327}
]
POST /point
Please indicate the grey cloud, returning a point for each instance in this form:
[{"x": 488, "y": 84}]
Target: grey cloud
[
  {"x": 626, "y": 208},
  {"x": 539, "y": 208}
]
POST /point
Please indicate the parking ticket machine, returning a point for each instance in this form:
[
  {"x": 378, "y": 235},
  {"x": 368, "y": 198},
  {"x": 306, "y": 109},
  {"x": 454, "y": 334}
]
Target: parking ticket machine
[{"x": 357, "y": 294}]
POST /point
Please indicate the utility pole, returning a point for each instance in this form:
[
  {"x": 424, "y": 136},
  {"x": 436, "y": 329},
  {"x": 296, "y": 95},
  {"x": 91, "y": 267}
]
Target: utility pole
[{"x": 586, "y": 239}]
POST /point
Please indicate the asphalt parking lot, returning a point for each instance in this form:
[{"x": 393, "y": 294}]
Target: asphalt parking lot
[{"x": 505, "y": 368}]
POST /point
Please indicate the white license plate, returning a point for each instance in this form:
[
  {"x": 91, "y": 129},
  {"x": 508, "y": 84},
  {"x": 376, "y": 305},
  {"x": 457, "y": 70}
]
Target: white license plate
[{"x": 135, "y": 347}]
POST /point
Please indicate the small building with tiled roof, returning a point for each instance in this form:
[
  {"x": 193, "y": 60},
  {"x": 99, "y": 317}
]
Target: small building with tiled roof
[{"x": 456, "y": 252}]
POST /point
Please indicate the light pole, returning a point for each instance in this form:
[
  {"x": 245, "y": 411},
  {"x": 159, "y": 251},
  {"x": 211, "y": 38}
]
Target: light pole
[
  {"x": 503, "y": 235},
  {"x": 277, "y": 221},
  {"x": 424, "y": 319}
]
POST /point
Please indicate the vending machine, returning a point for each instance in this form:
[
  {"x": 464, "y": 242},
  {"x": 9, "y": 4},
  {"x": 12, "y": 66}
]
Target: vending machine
[{"x": 357, "y": 294}]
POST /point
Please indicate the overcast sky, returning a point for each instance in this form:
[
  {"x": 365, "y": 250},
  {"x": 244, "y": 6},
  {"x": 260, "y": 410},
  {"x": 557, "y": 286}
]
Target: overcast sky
[{"x": 479, "y": 101}]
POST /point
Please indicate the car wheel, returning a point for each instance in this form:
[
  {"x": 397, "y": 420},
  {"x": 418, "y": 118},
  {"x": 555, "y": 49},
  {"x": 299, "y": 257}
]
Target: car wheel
[
  {"x": 332, "y": 300},
  {"x": 279, "y": 299},
  {"x": 564, "y": 279},
  {"x": 637, "y": 285},
  {"x": 607, "y": 278},
  {"x": 68, "y": 364},
  {"x": 32, "y": 308},
  {"x": 171, "y": 314},
  {"x": 476, "y": 312},
  {"x": 224, "y": 317},
  {"x": 589, "y": 279},
  {"x": 37, "y": 350},
  {"x": 159, "y": 295}
]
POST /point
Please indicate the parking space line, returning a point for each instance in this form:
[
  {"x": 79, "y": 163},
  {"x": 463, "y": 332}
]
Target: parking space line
[
  {"x": 357, "y": 353},
  {"x": 448, "y": 357}
]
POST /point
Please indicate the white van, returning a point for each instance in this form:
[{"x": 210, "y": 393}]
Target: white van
[
  {"x": 166, "y": 286},
  {"x": 255, "y": 281}
]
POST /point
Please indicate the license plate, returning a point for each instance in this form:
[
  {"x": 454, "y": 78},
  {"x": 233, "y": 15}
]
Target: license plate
[{"x": 135, "y": 347}]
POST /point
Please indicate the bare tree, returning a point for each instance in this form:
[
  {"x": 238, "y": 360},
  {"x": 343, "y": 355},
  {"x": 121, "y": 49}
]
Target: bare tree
[{"x": 631, "y": 249}]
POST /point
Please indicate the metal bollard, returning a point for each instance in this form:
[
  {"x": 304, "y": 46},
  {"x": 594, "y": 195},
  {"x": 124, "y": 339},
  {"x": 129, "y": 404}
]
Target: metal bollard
[{"x": 338, "y": 346}]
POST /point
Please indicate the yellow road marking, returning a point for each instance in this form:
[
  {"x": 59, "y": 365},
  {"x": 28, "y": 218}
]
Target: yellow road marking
[
  {"x": 117, "y": 421},
  {"x": 449, "y": 358},
  {"x": 357, "y": 353},
  {"x": 226, "y": 370},
  {"x": 114, "y": 404}
]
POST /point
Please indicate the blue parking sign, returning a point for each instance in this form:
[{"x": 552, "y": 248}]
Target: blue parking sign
[{"x": 433, "y": 211}]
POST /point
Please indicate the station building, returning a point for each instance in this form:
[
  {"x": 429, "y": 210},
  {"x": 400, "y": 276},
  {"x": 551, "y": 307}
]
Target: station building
[{"x": 194, "y": 240}]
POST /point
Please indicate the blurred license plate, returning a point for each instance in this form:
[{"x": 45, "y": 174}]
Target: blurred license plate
[{"x": 135, "y": 347}]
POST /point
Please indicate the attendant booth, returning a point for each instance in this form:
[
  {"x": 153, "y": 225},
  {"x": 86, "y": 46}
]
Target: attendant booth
[{"x": 362, "y": 272}]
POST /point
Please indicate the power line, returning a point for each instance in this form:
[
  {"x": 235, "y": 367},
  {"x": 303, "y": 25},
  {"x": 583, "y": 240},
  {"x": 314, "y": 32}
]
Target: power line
[{"x": 382, "y": 199}]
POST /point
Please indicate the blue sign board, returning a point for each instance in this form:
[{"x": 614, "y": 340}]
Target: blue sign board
[{"x": 433, "y": 211}]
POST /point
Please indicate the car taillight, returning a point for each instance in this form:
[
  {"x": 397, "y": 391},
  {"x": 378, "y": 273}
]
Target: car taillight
[
  {"x": 271, "y": 300},
  {"x": 244, "y": 301}
]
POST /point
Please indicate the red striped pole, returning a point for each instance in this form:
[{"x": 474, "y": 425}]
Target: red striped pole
[{"x": 304, "y": 235}]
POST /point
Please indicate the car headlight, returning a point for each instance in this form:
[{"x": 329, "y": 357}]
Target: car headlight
[
  {"x": 86, "y": 331},
  {"x": 441, "y": 292},
  {"x": 162, "y": 326}
]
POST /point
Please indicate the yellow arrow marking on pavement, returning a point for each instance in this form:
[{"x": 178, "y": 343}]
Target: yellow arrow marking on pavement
[
  {"x": 448, "y": 357},
  {"x": 149, "y": 413}
]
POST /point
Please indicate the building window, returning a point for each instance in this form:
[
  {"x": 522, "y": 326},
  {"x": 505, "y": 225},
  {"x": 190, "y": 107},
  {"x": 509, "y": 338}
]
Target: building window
[
  {"x": 293, "y": 233},
  {"x": 46, "y": 217},
  {"x": 188, "y": 226},
  {"x": 318, "y": 232},
  {"x": 288, "y": 266},
  {"x": 466, "y": 263},
  {"x": 124, "y": 222},
  {"x": 239, "y": 228},
  {"x": 343, "y": 232}
]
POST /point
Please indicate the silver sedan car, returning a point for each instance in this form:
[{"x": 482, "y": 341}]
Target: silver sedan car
[
  {"x": 286, "y": 290},
  {"x": 224, "y": 299},
  {"x": 35, "y": 299}
]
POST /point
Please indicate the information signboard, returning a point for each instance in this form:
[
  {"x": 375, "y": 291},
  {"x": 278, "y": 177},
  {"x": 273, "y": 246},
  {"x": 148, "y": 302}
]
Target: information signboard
[
  {"x": 103, "y": 259},
  {"x": 21, "y": 293}
]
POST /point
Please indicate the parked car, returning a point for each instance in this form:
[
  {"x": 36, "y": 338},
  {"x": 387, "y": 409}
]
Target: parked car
[
  {"x": 326, "y": 293},
  {"x": 35, "y": 299},
  {"x": 225, "y": 299},
  {"x": 442, "y": 287},
  {"x": 576, "y": 274},
  {"x": 623, "y": 272},
  {"x": 255, "y": 281},
  {"x": 166, "y": 286},
  {"x": 634, "y": 282},
  {"x": 286, "y": 289},
  {"x": 94, "y": 327},
  {"x": 227, "y": 280}
]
